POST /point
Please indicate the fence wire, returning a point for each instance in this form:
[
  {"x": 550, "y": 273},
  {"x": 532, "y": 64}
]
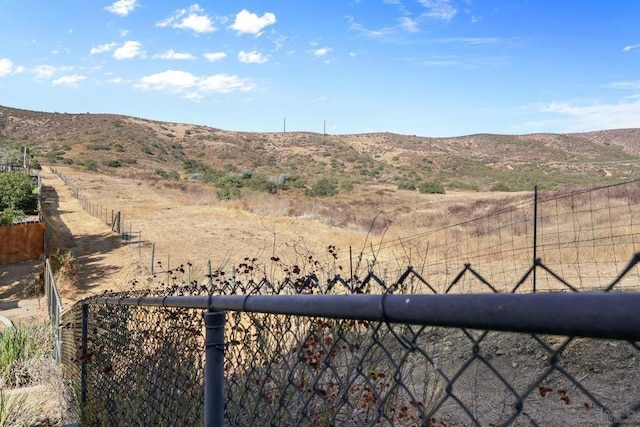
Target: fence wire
[{"x": 143, "y": 365}]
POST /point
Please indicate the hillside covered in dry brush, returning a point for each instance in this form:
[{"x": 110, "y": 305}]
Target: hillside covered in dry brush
[{"x": 138, "y": 147}]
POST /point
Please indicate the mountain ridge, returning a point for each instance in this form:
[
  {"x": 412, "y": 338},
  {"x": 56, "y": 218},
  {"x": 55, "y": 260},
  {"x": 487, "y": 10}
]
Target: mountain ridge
[{"x": 472, "y": 162}]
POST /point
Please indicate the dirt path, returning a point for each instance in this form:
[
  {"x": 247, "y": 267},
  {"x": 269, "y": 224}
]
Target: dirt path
[
  {"x": 100, "y": 254},
  {"x": 101, "y": 258}
]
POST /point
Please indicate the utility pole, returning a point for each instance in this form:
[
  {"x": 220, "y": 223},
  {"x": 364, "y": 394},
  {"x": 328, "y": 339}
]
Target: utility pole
[
  {"x": 284, "y": 126},
  {"x": 324, "y": 130}
]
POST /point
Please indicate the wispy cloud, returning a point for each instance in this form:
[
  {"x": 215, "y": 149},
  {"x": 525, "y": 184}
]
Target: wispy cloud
[
  {"x": 71, "y": 81},
  {"x": 122, "y": 7},
  {"x": 321, "y": 51},
  {"x": 631, "y": 47},
  {"x": 102, "y": 48},
  {"x": 194, "y": 18},
  {"x": 130, "y": 49},
  {"x": 250, "y": 23},
  {"x": 438, "y": 9},
  {"x": 380, "y": 33},
  {"x": 581, "y": 116},
  {"x": 253, "y": 57},
  {"x": 215, "y": 56},
  {"x": 470, "y": 40},
  {"x": 193, "y": 87},
  {"x": 633, "y": 85},
  {"x": 43, "y": 72},
  {"x": 171, "y": 54},
  {"x": 408, "y": 24}
]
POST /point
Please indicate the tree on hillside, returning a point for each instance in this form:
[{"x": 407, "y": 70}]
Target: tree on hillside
[{"x": 10, "y": 156}]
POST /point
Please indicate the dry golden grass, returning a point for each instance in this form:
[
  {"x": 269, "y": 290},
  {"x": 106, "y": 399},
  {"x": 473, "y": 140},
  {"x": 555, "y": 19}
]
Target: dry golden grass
[{"x": 372, "y": 228}]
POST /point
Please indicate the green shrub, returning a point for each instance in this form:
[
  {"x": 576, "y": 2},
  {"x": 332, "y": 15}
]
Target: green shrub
[
  {"x": 324, "y": 187},
  {"x": 35, "y": 164},
  {"x": 501, "y": 186},
  {"x": 113, "y": 163},
  {"x": 228, "y": 193},
  {"x": 431, "y": 187},
  {"x": 91, "y": 165},
  {"x": 16, "y": 192},
  {"x": 168, "y": 175},
  {"x": 346, "y": 185},
  {"x": 98, "y": 147},
  {"x": 11, "y": 216},
  {"x": 406, "y": 185},
  {"x": 260, "y": 183}
]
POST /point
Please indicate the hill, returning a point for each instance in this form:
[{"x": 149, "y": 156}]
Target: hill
[{"x": 130, "y": 146}]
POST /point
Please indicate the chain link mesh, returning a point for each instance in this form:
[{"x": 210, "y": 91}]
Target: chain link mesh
[{"x": 145, "y": 365}]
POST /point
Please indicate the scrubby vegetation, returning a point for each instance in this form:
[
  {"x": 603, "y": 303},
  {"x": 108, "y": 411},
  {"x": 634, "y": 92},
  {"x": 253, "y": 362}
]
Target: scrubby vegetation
[{"x": 16, "y": 197}]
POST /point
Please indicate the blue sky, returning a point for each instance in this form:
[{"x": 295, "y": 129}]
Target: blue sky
[{"x": 417, "y": 67}]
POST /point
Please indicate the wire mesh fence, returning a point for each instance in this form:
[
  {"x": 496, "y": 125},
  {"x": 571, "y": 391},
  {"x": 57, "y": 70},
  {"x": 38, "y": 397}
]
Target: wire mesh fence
[
  {"x": 585, "y": 236},
  {"x": 131, "y": 363},
  {"x": 138, "y": 357}
]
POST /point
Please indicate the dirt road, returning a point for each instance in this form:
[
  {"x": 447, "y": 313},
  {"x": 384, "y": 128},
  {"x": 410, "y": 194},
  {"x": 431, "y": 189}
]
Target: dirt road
[{"x": 100, "y": 257}]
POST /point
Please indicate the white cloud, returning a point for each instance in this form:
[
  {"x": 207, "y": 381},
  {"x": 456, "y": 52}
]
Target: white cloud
[
  {"x": 194, "y": 87},
  {"x": 439, "y": 9},
  {"x": 6, "y": 67},
  {"x": 122, "y": 7},
  {"x": 171, "y": 79},
  {"x": 223, "y": 83},
  {"x": 71, "y": 80},
  {"x": 171, "y": 54},
  {"x": 250, "y": 23},
  {"x": 383, "y": 32},
  {"x": 102, "y": 48},
  {"x": 408, "y": 24},
  {"x": 628, "y": 85},
  {"x": 252, "y": 57},
  {"x": 48, "y": 71},
  {"x": 123, "y": 33},
  {"x": 631, "y": 47},
  {"x": 322, "y": 51},
  {"x": 193, "y": 19},
  {"x": 61, "y": 50},
  {"x": 130, "y": 49},
  {"x": 573, "y": 116},
  {"x": 216, "y": 56}
]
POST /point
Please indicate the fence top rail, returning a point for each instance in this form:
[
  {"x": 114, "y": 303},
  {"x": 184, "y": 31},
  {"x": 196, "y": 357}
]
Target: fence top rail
[{"x": 594, "y": 315}]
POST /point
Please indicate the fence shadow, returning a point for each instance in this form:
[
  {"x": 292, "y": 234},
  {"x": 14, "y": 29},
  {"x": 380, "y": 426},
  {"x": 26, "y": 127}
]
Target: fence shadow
[{"x": 88, "y": 250}]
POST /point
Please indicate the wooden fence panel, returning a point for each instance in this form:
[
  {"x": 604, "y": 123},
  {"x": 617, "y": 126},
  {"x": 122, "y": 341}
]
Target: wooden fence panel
[{"x": 21, "y": 242}]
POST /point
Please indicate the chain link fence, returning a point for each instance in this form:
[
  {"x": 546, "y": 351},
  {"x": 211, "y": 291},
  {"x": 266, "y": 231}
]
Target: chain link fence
[
  {"x": 141, "y": 357},
  {"x": 138, "y": 358}
]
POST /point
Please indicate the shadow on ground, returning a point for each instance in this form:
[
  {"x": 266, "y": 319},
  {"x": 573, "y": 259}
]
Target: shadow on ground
[{"x": 88, "y": 250}]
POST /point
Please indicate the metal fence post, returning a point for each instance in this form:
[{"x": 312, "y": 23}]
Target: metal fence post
[
  {"x": 83, "y": 358},
  {"x": 214, "y": 369},
  {"x": 535, "y": 236}
]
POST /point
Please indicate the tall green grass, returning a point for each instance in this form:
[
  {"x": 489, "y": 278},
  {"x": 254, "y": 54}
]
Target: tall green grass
[{"x": 20, "y": 346}]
